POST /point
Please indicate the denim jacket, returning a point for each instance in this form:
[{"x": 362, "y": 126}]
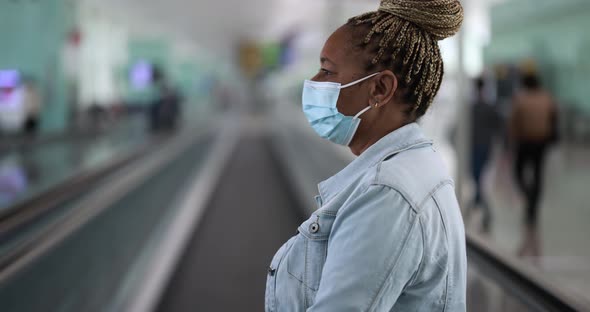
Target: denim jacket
[{"x": 387, "y": 236}]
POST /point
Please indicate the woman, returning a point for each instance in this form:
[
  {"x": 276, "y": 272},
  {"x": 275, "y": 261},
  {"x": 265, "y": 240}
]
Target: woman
[{"x": 388, "y": 234}]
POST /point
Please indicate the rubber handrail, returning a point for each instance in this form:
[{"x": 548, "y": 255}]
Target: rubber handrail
[{"x": 30, "y": 209}]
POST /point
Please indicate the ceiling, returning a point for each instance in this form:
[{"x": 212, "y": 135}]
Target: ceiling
[{"x": 216, "y": 26}]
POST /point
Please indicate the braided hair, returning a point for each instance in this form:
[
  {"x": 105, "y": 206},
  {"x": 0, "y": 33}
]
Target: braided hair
[{"x": 403, "y": 35}]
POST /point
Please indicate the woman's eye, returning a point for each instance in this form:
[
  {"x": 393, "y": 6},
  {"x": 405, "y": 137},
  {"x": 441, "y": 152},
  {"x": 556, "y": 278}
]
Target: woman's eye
[{"x": 325, "y": 71}]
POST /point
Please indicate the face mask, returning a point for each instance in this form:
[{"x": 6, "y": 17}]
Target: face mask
[{"x": 319, "y": 105}]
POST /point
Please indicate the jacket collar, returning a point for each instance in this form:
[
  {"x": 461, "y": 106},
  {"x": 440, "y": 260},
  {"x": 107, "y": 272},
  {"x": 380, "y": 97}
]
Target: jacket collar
[{"x": 404, "y": 138}]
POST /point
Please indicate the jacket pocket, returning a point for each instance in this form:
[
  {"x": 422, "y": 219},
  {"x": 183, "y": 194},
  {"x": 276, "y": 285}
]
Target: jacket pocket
[
  {"x": 271, "y": 278},
  {"x": 306, "y": 259}
]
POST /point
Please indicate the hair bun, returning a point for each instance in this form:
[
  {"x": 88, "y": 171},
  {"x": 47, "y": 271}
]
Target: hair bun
[{"x": 440, "y": 18}]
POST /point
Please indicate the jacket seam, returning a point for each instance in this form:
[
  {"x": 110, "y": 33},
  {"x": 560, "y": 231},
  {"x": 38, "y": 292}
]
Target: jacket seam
[
  {"x": 443, "y": 220},
  {"x": 364, "y": 189},
  {"x": 422, "y": 259},
  {"x": 400, "y": 191},
  {"x": 322, "y": 237},
  {"x": 434, "y": 190},
  {"x": 295, "y": 277},
  {"x": 289, "y": 269},
  {"x": 414, "y": 144},
  {"x": 278, "y": 265},
  {"x": 327, "y": 212},
  {"x": 305, "y": 275},
  {"x": 393, "y": 266},
  {"x": 446, "y": 293},
  {"x": 418, "y": 143},
  {"x": 436, "y": 202}
]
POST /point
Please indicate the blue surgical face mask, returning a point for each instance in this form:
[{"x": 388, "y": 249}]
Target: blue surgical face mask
[{"x": 319, "y": 105}]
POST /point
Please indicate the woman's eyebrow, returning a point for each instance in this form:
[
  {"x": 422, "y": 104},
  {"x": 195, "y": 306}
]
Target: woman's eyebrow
[{"x": 324, "y": 59}]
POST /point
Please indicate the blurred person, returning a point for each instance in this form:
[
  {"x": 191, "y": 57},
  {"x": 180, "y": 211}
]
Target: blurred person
[
  {"x": 388, "y": 234},
  {"x": 530, "y": 247},
  {"x": 98, "y": 116},
  {"x": 532, "y": 128},
  {"x": 12, "y": 112},
  {"x": 165, "y": 109},
  {"x": 484, "y": 127},
  {"x": 222, "y": 94},
  {"x": 32, "y": 107}
]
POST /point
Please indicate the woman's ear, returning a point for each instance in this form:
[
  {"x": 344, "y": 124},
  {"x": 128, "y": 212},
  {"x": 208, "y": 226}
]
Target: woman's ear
[{"x": 385, "y": 86}]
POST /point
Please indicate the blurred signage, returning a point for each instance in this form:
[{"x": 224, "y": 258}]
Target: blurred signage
[
  {"x": 250, "y": 58},
  {"x": 9, "y": 79},
  {"x": 141, "y": 75},
  {"x": 11, "y": 100}
]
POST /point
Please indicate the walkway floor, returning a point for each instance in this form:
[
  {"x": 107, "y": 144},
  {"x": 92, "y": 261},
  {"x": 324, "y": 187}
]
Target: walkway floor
[{"x": 250, "y": 216}]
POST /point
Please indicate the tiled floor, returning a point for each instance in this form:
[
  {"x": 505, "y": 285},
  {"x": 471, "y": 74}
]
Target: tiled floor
[{"x": 560, "y": 245}]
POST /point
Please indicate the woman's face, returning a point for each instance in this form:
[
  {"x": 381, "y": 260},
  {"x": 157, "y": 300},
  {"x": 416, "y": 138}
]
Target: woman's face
[{"x": 341, "y": 62}]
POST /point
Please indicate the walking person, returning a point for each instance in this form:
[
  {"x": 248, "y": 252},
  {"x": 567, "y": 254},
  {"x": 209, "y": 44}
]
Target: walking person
[
  {"x": 32, "y": 107},
  {"x": 532, "y": 128},
  {"x": 485, "y": 123}
]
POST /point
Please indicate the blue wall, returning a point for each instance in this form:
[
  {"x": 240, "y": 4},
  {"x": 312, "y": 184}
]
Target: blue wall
[{"x": 554, "y": 33}]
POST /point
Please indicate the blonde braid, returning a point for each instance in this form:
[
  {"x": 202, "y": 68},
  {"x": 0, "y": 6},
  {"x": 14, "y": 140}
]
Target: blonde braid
[{"x": 407, "y": 34}]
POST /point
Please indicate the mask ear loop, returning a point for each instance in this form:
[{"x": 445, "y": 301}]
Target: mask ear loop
[
  {"x": 358, "y": 81},
  {"x": 363, "y": 111}
]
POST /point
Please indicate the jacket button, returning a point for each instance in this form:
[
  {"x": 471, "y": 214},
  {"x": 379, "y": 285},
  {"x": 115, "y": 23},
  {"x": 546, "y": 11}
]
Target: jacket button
[
  {"x": 271, "y": 271},
  {"x": 314, "y": 227}
]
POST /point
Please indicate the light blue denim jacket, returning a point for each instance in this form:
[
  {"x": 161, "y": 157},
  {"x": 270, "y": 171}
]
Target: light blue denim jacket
[{"x": 388, "y": 236}]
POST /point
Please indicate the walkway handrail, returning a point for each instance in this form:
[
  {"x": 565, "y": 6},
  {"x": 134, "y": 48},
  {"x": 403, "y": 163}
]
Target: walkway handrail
[
  {"x": 37, "y": 205},
  {"x": 120, "y": 176},
  {"x": 531, "y": 286}
]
